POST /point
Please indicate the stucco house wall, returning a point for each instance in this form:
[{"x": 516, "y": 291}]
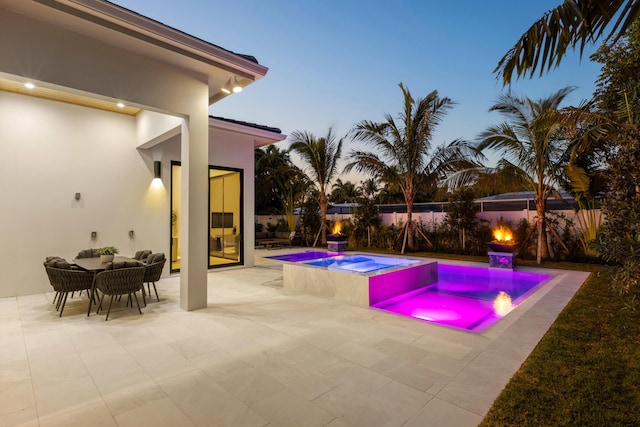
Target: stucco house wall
[{"x": 51, "y": 150}]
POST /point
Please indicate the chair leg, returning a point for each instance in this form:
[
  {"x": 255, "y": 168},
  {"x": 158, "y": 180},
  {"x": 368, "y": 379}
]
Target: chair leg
[
  {"x": 137, "y": 303},
  {"x": 100, "y": 305},
  {"x": 64, "y": 301},
  {"x": 144, "y": 298},
  {"x": 60, "y": 296},
  {"x": 109, "y": 310},
  {"x": 155, "y": 289},
  {"x": 55, "y": 297}
]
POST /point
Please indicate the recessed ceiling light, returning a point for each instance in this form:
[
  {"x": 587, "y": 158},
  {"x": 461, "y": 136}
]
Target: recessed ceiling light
[
  {"x": 29, "y": 85},
  {"x": 120, "y": 105}
]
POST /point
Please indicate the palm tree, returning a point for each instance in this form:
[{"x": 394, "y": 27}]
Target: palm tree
[
  {"x": 573, "y": 23},
  {"x": 280, "y": 185},
  {"x": 271, "y": 165},
  {"x": 344, "y": 192},
  {"x": 321, "y": 157},
  {"x": 403, "y": 152},
  {"x": 369, "y": 188},
  {"x": 532, "y": 141}
]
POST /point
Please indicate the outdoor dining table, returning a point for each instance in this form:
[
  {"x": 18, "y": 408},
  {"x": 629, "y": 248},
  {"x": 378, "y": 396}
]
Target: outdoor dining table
[{"x": 96, "y": 266}]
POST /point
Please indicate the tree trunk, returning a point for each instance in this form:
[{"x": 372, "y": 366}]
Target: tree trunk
[
  {"x": 543, "y": 246},
  {"x": 410, "y": 237},
  {"x": 323, "y": 218}
]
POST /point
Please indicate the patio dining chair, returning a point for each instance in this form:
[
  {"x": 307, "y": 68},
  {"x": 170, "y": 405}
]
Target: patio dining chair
[
  {"x": 65, "y": 280},
  {"x": 119, "y": 281},
  {"x": 152, "y": 273}
]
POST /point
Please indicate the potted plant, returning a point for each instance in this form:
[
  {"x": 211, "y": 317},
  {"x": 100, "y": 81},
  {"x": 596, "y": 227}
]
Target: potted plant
[{"x": 107, "y": 253}]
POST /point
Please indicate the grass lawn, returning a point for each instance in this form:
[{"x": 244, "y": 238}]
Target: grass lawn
[{"x": 586, "y": 369}]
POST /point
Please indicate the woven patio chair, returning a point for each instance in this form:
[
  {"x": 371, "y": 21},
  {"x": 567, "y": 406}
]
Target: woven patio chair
[
  {"x": 120, "y": 281},
  {"x": 152, "y": 274},
  {"x": 65, "y": 280}
]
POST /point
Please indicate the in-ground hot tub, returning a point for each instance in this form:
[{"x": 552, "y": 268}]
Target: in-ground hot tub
[{"x": 359, "y": 279}]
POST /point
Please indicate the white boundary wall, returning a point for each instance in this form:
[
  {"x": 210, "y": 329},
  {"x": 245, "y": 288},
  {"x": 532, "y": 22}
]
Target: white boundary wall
[{"x": 431, "y": 218}]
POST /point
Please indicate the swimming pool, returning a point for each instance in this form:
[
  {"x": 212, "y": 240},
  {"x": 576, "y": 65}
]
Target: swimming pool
[
  {"x": 463, "y": 297},
  {"x": 469, "y": 298}
]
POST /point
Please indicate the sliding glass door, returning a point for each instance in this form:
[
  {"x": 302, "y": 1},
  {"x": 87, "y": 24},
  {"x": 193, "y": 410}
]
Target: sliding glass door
[{"x": 225, "y": 216}]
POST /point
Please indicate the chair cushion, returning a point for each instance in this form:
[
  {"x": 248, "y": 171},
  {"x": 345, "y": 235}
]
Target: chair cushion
[
  {"x": 51, "y": 260},
  {"x": 141, "y": 255},
  {"x": 57, "y": 262},
  {"x": 88, "y": 253},
  {"x": 63, "y": 264},
  {"x": 157, "y": 257},
  {"x": 122, "y": 264}
]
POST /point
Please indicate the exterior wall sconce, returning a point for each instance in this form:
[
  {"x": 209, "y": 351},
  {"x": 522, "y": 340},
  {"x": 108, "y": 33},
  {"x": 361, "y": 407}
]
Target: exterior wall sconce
[
  {"x": 94, "y": 234},
  {"x": 131, "y": 233},
  {"x": 157, "y": 169},
  {"x": 77, "y": 196}
]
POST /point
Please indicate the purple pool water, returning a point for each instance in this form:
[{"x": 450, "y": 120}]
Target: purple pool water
[
  {"x": 304, "y": 256},
  {"x": 464, "y": 297}
]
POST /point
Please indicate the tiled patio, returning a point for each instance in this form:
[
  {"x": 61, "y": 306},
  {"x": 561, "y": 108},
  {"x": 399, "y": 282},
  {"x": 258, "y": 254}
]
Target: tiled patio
[{"x": 257, "y": 356}]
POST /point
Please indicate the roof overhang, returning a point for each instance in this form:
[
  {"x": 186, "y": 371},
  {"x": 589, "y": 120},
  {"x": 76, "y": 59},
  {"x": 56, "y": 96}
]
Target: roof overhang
[
  {"x": 133, "y": 32},
  {"x": 261, "y": 137}
]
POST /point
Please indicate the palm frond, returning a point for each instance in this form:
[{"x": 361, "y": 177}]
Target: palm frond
[{"x": 571, "y": 24}]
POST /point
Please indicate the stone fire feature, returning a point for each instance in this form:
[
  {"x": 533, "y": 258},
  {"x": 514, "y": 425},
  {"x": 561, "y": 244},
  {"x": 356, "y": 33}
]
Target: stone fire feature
[
  {"x": 337, "y": 245},
  {"x": 503, "y": 250},
  {"x": 502, "y": 260}
]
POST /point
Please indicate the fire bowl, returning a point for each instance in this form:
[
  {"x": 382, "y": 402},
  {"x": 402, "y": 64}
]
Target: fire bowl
[
  {"x": 502, "y": 247},
  {"x": 336, "y": 237}
]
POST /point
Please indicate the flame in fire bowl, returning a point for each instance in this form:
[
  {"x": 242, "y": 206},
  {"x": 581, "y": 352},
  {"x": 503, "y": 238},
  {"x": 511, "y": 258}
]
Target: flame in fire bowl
[{"x": 503, "y": 241}]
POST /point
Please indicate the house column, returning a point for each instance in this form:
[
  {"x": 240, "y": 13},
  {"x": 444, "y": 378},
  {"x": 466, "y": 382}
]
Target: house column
[{"x": 194, "y": 225}]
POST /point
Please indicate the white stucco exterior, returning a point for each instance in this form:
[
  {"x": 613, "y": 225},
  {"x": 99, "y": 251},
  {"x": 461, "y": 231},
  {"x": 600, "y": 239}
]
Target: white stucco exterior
[{"x": 50, "y": 150}]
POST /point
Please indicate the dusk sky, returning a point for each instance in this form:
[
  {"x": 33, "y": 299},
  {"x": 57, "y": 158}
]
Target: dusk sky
[{"x": 334, "y": 63}]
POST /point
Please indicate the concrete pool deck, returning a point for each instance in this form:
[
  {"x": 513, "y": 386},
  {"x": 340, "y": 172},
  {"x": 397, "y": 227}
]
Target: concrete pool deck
[{"x": 258, "y": 355}]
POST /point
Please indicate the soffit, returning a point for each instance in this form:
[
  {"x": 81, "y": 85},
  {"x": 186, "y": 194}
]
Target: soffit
[
  {"x": 260, "y": 137},
  {"x": 128, "y": 30},
  {"x": 65, "y": 96}
]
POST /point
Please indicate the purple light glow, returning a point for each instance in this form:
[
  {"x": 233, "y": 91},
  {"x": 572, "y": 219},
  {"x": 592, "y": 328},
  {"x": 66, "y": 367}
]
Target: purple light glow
[
  {"x": 304, "y": 256},
  {"x": 362, "y": 263},
  {"x": 464, "y": 297}
]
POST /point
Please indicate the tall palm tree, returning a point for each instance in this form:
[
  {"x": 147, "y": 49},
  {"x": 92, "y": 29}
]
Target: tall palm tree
[
  {"x": 573, "y": 23},
  {"x": 321, "y": 155},
  {"x": 531, "y": 140},
  {"x": 403, "y": 152}
]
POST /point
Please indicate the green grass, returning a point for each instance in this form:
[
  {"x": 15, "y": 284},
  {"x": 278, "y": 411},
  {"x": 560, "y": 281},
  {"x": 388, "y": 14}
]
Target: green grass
[{"x": 586, "y": 369}]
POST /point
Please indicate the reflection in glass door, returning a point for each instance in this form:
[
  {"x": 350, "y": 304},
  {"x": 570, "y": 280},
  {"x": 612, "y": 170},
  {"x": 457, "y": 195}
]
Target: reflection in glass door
[
  {"x": 176, "y": 186},
  {"x": 225, "y": 216}
]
